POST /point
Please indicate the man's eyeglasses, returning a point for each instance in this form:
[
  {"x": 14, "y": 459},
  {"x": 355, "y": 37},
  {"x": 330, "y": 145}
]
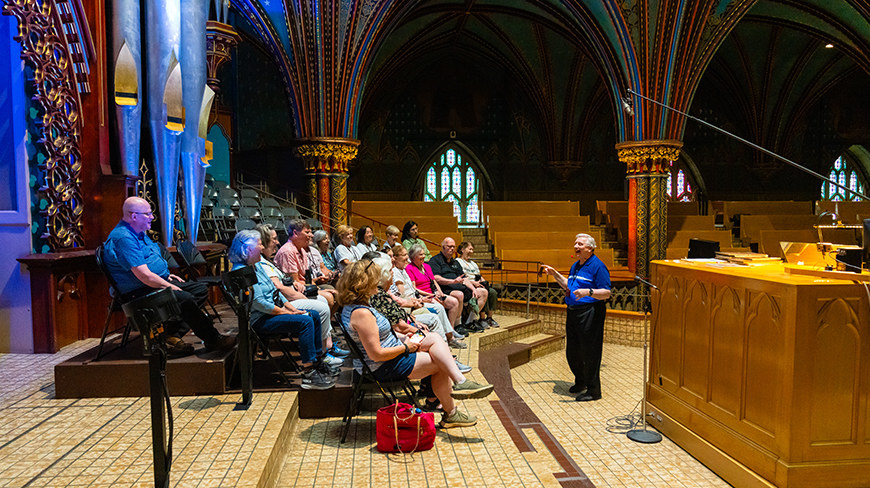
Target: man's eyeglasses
[{"x": 150, "y": 214}]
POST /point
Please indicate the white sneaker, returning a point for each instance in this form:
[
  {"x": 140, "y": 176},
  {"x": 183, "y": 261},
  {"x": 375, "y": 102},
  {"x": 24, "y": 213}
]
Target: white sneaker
[
  {"x": 456, "y": 344},
  {"x": 463, "y": 368},
  {"x": 332, "y": 360},
  {"x": 457, "y": 336}
]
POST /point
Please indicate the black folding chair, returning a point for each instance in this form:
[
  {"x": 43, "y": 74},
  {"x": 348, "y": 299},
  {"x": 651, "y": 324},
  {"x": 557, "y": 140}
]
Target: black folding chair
[
  {"x": 366, "y": 382},
  {"x": 262, "y": 341},
  {"x": 192, "y": 258},
  {"x": 114, "y": 306}
]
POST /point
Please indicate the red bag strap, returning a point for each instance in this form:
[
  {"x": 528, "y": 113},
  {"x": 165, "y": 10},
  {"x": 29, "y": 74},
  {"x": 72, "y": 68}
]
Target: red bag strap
[{"x": 396, "y": 427}]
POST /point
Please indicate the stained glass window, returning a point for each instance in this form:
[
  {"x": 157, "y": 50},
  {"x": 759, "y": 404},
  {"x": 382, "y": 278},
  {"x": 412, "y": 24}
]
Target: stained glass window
[
  {"x": 451, "y": 178},
  {"x": 840, "y": 171},
  {"x": 430, "y": 181},
  {"x": 679, "y": 188}
]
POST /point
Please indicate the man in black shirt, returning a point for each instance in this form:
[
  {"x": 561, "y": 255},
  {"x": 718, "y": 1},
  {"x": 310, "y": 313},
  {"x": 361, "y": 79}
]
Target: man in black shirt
[{"x": 451, "y": 278}]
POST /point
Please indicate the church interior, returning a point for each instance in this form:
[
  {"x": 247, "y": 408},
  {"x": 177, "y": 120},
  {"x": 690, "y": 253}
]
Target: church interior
[{"x": 654, "y": 126}]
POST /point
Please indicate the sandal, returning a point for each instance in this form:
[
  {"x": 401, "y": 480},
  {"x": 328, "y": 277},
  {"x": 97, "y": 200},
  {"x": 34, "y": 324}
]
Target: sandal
[{"x": 432, "y": 406}]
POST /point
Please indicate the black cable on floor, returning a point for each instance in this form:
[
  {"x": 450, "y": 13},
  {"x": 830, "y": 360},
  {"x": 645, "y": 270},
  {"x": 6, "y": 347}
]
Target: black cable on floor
[{"x": 623, "y": 423}]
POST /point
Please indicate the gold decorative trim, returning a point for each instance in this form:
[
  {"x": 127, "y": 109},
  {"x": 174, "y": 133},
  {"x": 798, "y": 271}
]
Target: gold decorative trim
[
  {"x": 649, "y": 156},
  {"x": 45, "y": 47},
  {"x": 326, "y": 155}
]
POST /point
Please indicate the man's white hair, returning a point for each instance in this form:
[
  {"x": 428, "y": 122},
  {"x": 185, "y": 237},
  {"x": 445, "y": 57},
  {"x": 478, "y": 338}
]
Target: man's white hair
[{"x": 589, "y": 240}]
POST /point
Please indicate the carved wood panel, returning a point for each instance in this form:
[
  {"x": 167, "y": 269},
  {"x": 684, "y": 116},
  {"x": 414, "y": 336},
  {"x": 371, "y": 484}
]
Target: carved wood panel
[
  {"x": 763, "y": 363},
  {"x": 834, "y": 410}
]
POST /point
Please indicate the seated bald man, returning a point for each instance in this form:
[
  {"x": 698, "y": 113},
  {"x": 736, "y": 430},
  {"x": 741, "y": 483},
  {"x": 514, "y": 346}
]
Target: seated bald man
[{"x": 137, "y": 266}]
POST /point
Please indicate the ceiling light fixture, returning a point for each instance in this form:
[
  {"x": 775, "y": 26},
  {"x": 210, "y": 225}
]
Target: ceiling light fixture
[{"x": 829, "y": 46}]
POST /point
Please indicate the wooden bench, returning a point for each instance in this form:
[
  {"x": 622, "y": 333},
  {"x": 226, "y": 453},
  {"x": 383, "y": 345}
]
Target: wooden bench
[
  {"x": 683, "y": 208},
  {"x": 545, "y": 240},
  {"x": 576, "y": 224},
  {"x": 415, "y": 209},
  {"x": 557, "y": 258},
  {"x": 752, "y": 225},
  {"x": 678, "y": 223},
  {"x": 680, "y": 239},
  {"x": 849, "y": 212},
  {"x": 443, "y": 224},
  {"x": 732, "y": 208},
  {"x": 531, "y": 208}
]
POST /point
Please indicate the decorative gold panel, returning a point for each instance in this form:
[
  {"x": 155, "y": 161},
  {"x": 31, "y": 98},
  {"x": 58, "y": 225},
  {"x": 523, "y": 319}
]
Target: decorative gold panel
[
  {"x": 836, "y": 372},
  {"x": 765, "y": 348},
  {"x": 45, "y": 47}
]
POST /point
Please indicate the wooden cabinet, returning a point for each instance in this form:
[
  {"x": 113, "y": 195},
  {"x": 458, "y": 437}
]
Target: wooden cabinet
[{"x": 763, "y": 375}]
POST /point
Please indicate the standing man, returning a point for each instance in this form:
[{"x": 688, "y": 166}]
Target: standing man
[
  {"x": 586, "y": 290},
  {"x": 137, "y": 266}
]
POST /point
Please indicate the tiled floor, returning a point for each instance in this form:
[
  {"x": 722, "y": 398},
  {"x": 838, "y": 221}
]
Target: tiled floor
[
  {"x": 106, "y": 442},
  {"x": 485, "y": 455},
  {"x": 46, "y": 442}
]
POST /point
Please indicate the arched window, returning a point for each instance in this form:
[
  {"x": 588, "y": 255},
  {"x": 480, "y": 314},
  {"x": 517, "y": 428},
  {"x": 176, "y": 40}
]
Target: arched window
[
  {"x": 450, "y": 179},
  {"x": 679, "y": 188},
  {"x": 843, "y": 173}
]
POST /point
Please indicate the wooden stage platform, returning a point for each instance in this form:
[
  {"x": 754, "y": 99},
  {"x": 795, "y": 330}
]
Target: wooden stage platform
[{"x": 123, "y": 372}]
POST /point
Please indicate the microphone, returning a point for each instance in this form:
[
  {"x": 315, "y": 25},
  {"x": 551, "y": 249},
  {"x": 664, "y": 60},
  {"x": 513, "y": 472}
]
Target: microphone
[
  {"x": 627, "y": 108},
  {"x": 645, "y": 282}
]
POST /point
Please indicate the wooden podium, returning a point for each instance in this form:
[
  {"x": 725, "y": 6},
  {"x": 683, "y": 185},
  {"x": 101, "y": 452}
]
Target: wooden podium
[{"x": 762, "y": 374}]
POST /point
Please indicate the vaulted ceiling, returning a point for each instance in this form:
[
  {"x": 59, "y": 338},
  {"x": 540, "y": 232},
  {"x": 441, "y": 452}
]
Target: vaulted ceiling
[{"x": 567, "y": 59}]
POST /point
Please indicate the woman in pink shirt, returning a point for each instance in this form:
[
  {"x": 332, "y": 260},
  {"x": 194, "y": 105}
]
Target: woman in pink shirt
[{"x": 424, "y": 280}]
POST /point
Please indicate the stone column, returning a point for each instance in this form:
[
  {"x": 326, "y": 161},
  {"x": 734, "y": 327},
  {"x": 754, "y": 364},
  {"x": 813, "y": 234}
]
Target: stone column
[
  {"x": 648, "y": 165},
  {"x": 326, "y": 160},
  {"x": 338, "y": 192}
]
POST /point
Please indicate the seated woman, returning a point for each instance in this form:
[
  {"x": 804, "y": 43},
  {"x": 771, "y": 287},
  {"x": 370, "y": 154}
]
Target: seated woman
[
  {"x": 400, "y": 320},
  {"x": 392, "y": 233},
  {"x": 272, "y": 314},
  {"x": 365, "y": 238},
  {"x": 321, "y": 275},
  {"x": 345, "y": 252},
  {"x": 409, "y": 239},
  {"x": 420, "y": 275},
  {"x": 392, "y": 358},
  {"x": 406, "y": 295},
  {"x": 321, "y": 244},
  {"x": 472, "y": 272}
]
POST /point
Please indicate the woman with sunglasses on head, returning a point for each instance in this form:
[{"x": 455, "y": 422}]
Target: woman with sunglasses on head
[{"x": 411, "y": 356}]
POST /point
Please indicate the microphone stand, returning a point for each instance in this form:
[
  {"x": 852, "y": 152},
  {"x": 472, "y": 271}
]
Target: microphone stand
[
  {"x": 744, "y": 141},
  {"x": 148, "y": 314},
  {"x": 643, "y": 435}
]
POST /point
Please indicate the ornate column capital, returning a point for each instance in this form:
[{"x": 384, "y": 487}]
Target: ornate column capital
[
  {"x": 326, "y": 154},
  {"x": 220, "y": 39},
  {"x": 650, "y": 156}
]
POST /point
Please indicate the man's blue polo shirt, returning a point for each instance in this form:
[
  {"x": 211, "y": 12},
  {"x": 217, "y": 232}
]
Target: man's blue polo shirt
[
  {"x": 125, "y": 249},
  {"x": 591, "y": 274}
]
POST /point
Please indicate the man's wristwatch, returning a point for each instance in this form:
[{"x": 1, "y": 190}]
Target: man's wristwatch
[{"x": 590, "y": 292}]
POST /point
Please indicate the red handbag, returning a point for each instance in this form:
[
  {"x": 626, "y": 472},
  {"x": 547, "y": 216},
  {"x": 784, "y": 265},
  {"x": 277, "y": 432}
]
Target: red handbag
[{"x": 403, "y": 428}]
